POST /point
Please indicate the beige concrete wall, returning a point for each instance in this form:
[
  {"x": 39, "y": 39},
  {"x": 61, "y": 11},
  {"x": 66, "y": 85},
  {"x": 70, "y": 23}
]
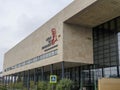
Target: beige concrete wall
[
  {"x": 77, "y": 44},
  {"x": 76, "y": 7},
  {"x": 109, "y": 84},
  {"x": 31, "y": 46}
]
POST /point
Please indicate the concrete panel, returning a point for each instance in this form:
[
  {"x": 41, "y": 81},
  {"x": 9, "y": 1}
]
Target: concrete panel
[
  {"x": 77, "y": 44},
  {"x": 109, "y": 84},
  {"x": 31, "y": 47},
  {"x": 96, "y": 13}
]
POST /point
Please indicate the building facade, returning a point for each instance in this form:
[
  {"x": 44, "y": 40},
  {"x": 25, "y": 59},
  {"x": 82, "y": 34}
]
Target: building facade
[{"x": 80, "y": 43}]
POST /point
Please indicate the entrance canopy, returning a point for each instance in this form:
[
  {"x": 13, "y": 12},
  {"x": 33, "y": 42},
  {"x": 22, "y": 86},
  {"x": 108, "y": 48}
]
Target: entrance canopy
[{"x": 97, "y": 13}]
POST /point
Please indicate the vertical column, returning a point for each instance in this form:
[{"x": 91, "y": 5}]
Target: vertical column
[
  {"x": 95, "y": 86},
  {"x": 81, "y": 79},
  {"x": 23, "y": 74},
  {"x": 35, "y": 76},
  {"x": 11, "y": 78},
  {"x": 25, "y": 78},
  {"x": 63, "y": 72},
  {"x": 14, "y": 78},
  {"x": 13, "y": 81},
  {"x": 51, "y": 72},
  {"x": 51, "y": 69},
  {"x": 17, "y": 79},
  {"x": 102, "y": 72},
  {"x": 79, "y": 75},
  {"x": 28, "y": 80},
  {"x": 89, "y": 73},
  {"x": 3, "y": 81},
  {"x": 42, "y": 71},
  {"x": 8, "y": 79}
]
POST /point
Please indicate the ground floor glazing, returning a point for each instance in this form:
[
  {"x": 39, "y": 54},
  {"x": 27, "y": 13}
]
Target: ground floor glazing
[{"x": 85, "y": 76}]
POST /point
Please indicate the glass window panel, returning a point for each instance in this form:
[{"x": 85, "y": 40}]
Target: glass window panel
[
  {"x": 56, "y": 52},
  {"x": 107, "y": 59},
  {"x": 101, "y": 42},
  {"x": 118, "y": 34},
  {"x": 113, "y": 45},
  {"x": 118, "y": 42},
  {"x": 96, "y": 61},
  {"x": 107, "y": 72},
  {"x": 112, "y": 41},
  {"x": 106, "y": 50},
  {"x": 101, "y": 61},
  {"x": 100, "y": 52},
  {"x": 119, "y": 38},
  {"x": 38, "y": 58},
  {"x": 113, "y": 71},
  {"x": 31, "y": 61},
  {"x": 113, "y": 53},
  {"x": 99, "y": 73},
  {"x": 106, "y": 38},
  {"x": 106, "y": 46},
  {"x": 101, "y": 56},
  {"x": 95, "y": 57},
  {"x": 114, "y": 58},
  {"x": 95, "y": 45},
  {"x": 106, "y": 55},
  {"x": 35, "y": 59},
  {"x": 106, "y": 42},
  {"x": 52, "y": 53},
  {"x": 47, "y": 55},
  {"x": 100, "y": 48},
  {"x": 43, "y": 56},
  {"x": 113, "y": 49},
  {"x": 107, "y": 64},
  {"x": 113, "y": 63}
]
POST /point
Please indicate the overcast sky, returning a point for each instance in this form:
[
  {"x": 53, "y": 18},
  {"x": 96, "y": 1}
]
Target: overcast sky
[{"x": 19, "y": 18}]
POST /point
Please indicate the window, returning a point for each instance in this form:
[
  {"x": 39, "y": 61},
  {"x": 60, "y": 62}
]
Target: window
[
  {"x": 107, "y": 72},
  {"x": 39, "y": 58},
  {"x": 114, "y": 58},
  {"x": 52, "y": 53},
  {"x": 47, "y": 55},
  {"x": 56, "y": 52},
  {"x": 43, "y": 56},
  {"x": 104, "y": 40}
]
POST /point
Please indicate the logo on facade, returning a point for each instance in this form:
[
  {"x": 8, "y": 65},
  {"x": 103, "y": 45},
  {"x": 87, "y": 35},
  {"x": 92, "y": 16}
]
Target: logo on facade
[
  {"x": 54, "y": 36},
  {"x": 52, "y": 39}
]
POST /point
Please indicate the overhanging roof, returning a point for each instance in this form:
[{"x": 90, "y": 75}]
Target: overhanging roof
[{"x": 97, "y": 13}]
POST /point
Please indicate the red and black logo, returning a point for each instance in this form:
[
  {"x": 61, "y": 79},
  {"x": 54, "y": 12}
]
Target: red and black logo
[
  {"x": 54, "y": 36},
  {"x": 51, "y": 40}
]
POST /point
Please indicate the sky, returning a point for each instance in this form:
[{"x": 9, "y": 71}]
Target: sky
[{"x": 19, "y": 18}]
